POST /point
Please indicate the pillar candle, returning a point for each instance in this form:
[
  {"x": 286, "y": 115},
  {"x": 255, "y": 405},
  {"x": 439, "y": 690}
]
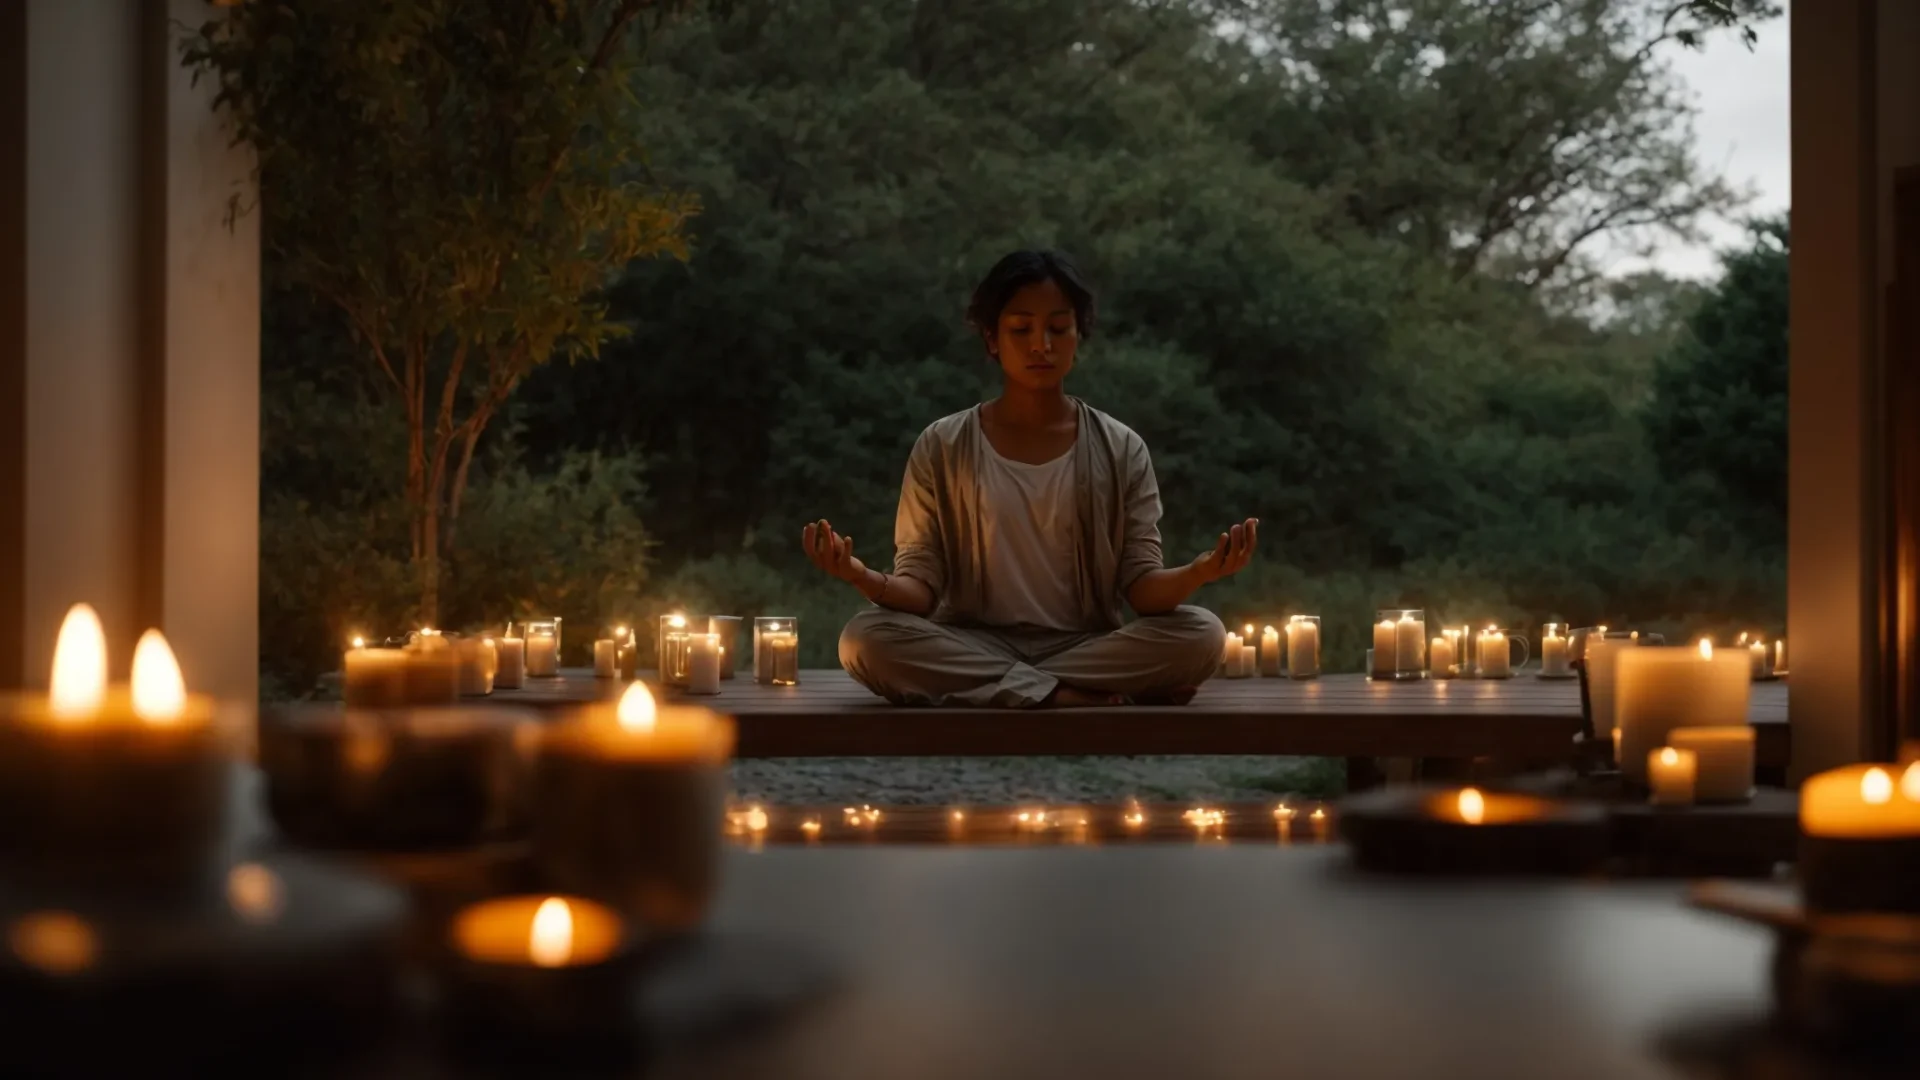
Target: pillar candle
[
  {"x": 1780, "y": 657},
  {"x": 703, "y": 664},
  {"x": 1724, "y": 766},
  {"x": 1658, "y": 689},
  {"x": 1410, "y": 637},
  {"x": 1602, "y": 657},
  {"x": 1443, "y": 655},
  {"x": 1553, "y": 652},
  {"x": 606, "y": 658},
  {"x": 1249, "y": 661},
  {"x": 1383, "y": 647},
  {"x": 374, "y": 678},
  {"x": 433, "y": 671},
  {"x": 1758, "y": 659},
  {"x": 478, "y": 666},
  {"x": 1303, "y": 648},
  {"x": 1270, "y": 652},
  {"x": 543, "y": 656},
  {"x": 1230, "y": 658},
  {"x": 1496, "y": 660},
  {"x": 510, "y": 663},
  {"x": 1671, "y": 773},
  {"x": 626, "y": 654}
]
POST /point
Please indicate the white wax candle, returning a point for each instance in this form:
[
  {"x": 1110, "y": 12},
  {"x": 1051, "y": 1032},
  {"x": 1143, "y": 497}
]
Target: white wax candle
[
  {"x": 1724, "y": 770},
  {"x": 1659, "y": 689},
  {"x": 478, "y": 661},
  {"x": 1383, "y": 647},
  {"x": 1862, "y": 802},
  {"x": 1496, "y": 660},
  {"x": 1780, "y": 657},
  {"x": 1269, "y": 652},
  {"x": 543, "y": 656},
  {"x": 1230, "y": 660},
  {"x": 1670, "y": 773},
  {"x": 1553, "y": 652},
  {"x": 703, "y": 664},
  {"x": 510, "y": 663},
  {"x": 1303, "y": 649},
  {"x": 1249, "y": 661},
  {"x": 1603, "y": 655},
  {"x": 1442, "y": 655},
  {"x": 1410, "y": 638},
  {"x": 375, "y": 678},
  {"x": 1757, "y": 659},
  {"x": 605, "y": 658}
]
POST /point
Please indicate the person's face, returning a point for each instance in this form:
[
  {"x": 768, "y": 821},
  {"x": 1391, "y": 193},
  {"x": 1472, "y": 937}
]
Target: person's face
[{"x": 1037, "y": 337}]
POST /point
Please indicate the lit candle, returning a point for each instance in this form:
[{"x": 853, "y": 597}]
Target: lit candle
[
  {"x": 1249, "y": 661},
  {"x": 1496, "y": 660},
  {"x": 674, "y": 644},
  {"x": 374, "y": 678},
  {"x": 1283, "y": 816},
  {"x": 1234, "y": 653},
  {"x": 606, "y": 658},
  {"x": 1554, "y": 662},
  {"x": 1860, "y": 839},
  {"x": 1303, "y": 647},
  {"x": 703, "y": 664},
  {"x": 1780, "y": 657},
  {"x": 130, "y": 781},
  {"x": 781, "y": 662},
  {"x": 1725, "y": 760},
  {"x": 626, "y": 658},
  {"x": 540, "y": 967},
  {"x": 432, "y": 670},
  {"x": 1660, "y": 689},
  {"x": 1472, "y": 806},
  {"x": 543, "y": 652},
  {"x": 479, "y": 662},
  {"x": 1270, "y": 652},
  {"x": 1444, "y": 654},
  {"x": 510, "y": 663},
  {"x": 1602, "y": 660},
  {"x": 1410, "y": 636},
  {"x": 1320, "y": 823},
  {"x": 1759, "y": 657},
  {"x": 629, "y": 804},
  {"x": 1670, "y": 774},
  {"x": 1383, "y": 649}
]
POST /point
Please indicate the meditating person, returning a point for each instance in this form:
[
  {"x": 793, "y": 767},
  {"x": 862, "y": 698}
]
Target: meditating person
[{"x": 1024, "y": 525}]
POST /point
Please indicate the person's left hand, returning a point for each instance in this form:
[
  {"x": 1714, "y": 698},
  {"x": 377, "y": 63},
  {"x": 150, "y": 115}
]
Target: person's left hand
[{"x": 1230, "y": 555}]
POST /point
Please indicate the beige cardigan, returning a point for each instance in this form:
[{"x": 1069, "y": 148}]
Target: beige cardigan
[{"x": 936, "y": 538}]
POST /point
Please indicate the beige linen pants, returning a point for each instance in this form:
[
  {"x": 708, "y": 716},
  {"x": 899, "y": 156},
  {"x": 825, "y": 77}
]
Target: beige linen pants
[{"x": 912, "y": 660}]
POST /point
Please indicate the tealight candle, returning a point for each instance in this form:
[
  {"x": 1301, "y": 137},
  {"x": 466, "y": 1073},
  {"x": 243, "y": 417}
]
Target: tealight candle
[
  {"x": 1860, "y": 839},
  {"x": 1303, "y": 646},
  {"x": 1660, "y": 689},
  {"x": 1270, "y": 652},
  {"x": 510, "y": 663},
  {"x": 703, "y": 664},
  {"x": 629, "y": 805},
  {"x": 126, "y": 781},
  {"x": 1725, "y": 760},
  {"x": 1670, "y": 773},
  {"x": 605, "y": 658},
  {"x": 556, "y": 968}
]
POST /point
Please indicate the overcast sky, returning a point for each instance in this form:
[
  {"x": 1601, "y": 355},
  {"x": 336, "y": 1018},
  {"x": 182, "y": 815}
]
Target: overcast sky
[{"x": 1741, "y": 132}]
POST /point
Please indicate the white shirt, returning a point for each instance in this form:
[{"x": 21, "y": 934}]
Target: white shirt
[{"x": 1029, "y": 527}]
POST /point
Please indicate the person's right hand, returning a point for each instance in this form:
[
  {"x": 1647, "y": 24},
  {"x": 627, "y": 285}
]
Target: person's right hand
[{"x": 832, "y": 552}]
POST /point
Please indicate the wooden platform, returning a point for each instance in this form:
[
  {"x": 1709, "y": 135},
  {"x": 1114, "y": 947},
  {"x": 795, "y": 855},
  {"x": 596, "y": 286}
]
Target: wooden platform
[{"x": 829, "y": 715}]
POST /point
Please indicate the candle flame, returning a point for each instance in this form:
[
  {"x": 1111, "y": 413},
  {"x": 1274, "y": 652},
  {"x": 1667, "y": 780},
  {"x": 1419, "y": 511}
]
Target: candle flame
[
  {"x": 359, "y": 643},
  {"x": 959, "y": 816},
  {"x": 619, "y": 631},
  {"x": 1742, "y": 640},
  {"x": 1602, "y": 630},
  {"x": 1669, "y": 756},
  {"x": 254, "y": 892},
  {"x": 56, "y": 942},
  {"x": 1283, "y": 812},
  {"x": 1910, "y": 782},
  {"x": 550, "y": 942},
  {"x": 1876, "y": 787},
  {"x": 678, "y": 622},
  {"x": 1319, "y": 814},
  {"x": 1135, "y": 818},
  {"x": 637, "y": 712},
  {"x": 756, "y": 820},
  {"x": 811, "y": 826},
  {"x": 1473, "y": 806},
  {"x": 1249, "y": 630},
  {"x": 79, "y": 683},
  {"x": 1268, "y": 630},
  {"x": 1406, "y": 616},
  {"x": 159, "y": 692},
  {"x": 1706, "y": 649}
]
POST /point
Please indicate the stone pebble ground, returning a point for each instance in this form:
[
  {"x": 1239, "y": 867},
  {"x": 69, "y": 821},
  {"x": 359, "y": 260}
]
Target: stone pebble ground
[{"x": 999, "y": 781}]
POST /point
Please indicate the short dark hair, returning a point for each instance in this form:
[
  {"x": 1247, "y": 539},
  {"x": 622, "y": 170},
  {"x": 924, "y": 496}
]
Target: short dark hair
[{"x": 1018, "y": 270}]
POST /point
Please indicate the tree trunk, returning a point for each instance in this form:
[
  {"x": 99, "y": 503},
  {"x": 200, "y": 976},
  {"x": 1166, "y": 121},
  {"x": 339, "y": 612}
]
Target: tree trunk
[{"x": 428, "y": 563}]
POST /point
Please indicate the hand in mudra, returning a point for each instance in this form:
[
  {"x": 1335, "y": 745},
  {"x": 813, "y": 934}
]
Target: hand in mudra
[
  {"x": 832, "y": 552},
  {"x": 1231, "y": 554}
]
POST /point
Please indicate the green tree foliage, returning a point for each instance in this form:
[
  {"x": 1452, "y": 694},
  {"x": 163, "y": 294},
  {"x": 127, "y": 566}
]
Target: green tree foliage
[{"x": 453, "y": 178}]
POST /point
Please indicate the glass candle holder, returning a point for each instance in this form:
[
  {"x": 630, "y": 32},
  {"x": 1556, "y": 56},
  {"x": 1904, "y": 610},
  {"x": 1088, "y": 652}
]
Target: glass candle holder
[
  {"x": 1556, "y": 652},
  {"x": 1493, "y": 653},
  {"x": 776, "y": 650},
  {"x": 1449, "y": 654},
  {"x": 1399, "y": 644},
  {"x": 543, "y": 648},
  {"x": 726, "y": 629},
  {"x": 1303, "y": 646},
  {"x": 674, "y": 645}
]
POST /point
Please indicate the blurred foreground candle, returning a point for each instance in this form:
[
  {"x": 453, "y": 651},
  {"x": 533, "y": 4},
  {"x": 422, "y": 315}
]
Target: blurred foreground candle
[
  {"x": 1554, "y": 661},
  {"x": 1303, "y": 646},
  {"x": 1270, "y": 652},
  {"x": 776, "y": 651},
  {"x": 703, "y": 665},
  {"x": 556, "y": 968},
  {"x": 1671, "y": 773},
  {"x": 510, "y": 663},
  {"x": 629, "y": 805},
  {"x": 374, "y": 678},
  {"x": 606, "y": 658},
  {"x": 1860, "y": 839},
  {"x": 1660, "y": 689},
  {"x": 543, "y": 648},
  {"x": 1724, "y": 759},
  {"x": 124, "y": 781}
]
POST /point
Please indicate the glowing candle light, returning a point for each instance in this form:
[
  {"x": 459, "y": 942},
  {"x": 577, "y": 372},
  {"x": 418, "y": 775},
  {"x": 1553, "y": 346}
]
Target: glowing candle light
[
  {"x": 1473, "y": 806},
  {"x": 79, "y": 684}
]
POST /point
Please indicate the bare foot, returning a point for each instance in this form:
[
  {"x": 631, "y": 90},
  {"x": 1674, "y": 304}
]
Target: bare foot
[
  {"x": 1179, "y": 695},
  {"x": 1067, "y": 697}
]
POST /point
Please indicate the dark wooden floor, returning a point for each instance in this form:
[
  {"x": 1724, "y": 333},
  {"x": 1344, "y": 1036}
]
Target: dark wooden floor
[{"x": 829, "y": 714}]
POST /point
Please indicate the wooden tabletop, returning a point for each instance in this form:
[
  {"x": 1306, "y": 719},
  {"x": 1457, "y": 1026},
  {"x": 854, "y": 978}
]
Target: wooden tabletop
[
  {"x": 829, "y": 715},
  {"x": 1225, "y": 961}
]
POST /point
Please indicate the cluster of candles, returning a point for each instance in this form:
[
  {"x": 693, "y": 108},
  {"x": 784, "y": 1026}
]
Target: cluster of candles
[
  {"x": 432, "y": 667},
  {"x": 698, "y": 661},
  {"x": 1293, "y": 653}
]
